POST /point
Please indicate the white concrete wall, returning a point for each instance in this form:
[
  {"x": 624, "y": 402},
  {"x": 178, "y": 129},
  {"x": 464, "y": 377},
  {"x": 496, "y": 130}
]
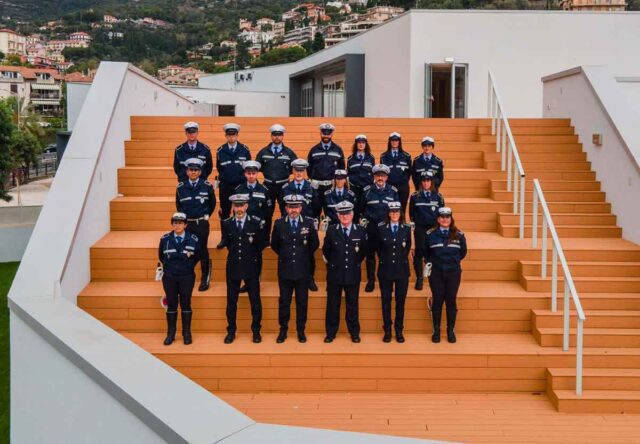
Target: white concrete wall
[
  {"x": 267, "y": 79},
  {"x": 76, "y": 95},
  {"x": 248, "y": 103},
  {"x": 14, "y": 240},
  {"x": 596, "y": 104}
]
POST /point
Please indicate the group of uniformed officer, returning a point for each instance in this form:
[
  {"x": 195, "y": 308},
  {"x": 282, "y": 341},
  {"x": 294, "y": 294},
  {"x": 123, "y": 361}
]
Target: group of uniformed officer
[{"x": 360, "y": 205}]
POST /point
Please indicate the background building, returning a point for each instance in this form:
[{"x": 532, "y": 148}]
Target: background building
[
  {"x": 12, "y": 43},
  {"x": 39, "y": 88}
]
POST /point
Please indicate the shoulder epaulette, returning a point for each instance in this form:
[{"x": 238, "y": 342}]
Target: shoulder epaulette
[
  {"x": 415, "y": 193},
  {"x": 381, "y": 224},
  {"x": 206, "y": 146},
  {"x": 255, "y": 218},
  {"x": 394, "y": 188},
  {"x": 461, "y": 232},
  {"x": 310, "y": 219},
  {"x": 350, "y": 157},
  {"x": 208, "y": 183},
  {"x": 239, "y": 185},
  {"x": 431, "y": 230},
  {"x": 194, "y": 237},
  {"x": 179, "y": 184},
  {"x": 228, "y": 218},
  {"x": 165, "y": 235},
  {"x": 286, "y": 184},
  {"x": 179, "y": 146},
  {"x": 327, "y": 192},
  {"x": 437, "y": 157},
  {"x": 351, "y": 193},
  {"x": 417, "y": 157},
  {"x": 367, "y": 188},
  {"x": 406, "y": 154},
  {"x": 264, "y": 186}
]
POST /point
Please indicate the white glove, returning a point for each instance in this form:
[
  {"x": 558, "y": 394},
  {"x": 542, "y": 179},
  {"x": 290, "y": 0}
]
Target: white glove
[
  {"x": 325, "y": 259},
  {"x": 206, "y": 217},
  {"x": 159, "y": 272},
  {"x": 315, "y": 224},
  {"x": 427, "y": 270},
  {"x": 325, "y": 224},
  {"x": 216, "y": 184},
  {"x": 364, "y": 222},
  {"x": 314, "y": 184}
]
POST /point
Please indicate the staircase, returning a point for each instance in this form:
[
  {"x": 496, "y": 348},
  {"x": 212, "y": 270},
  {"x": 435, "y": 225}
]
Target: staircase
[{"x": 509, "y": 340}]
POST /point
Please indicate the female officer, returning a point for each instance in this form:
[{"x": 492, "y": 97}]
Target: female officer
[
  {"x": 423, "y": 211},
  {"x": 445, "y": 247},
  {"x": 394, "y": 245},
  {"x": 178, "y": 253},
  {"x": 359, "y": 166},
  {"x": 337, "y": 193},
  {"x": 399, "y": 163}
]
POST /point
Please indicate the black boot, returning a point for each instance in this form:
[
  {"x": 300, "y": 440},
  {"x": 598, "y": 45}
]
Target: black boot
[
  {"x": 302, "y": 338},
  {"x": 419, "y": 279},
  {"x": 451, "y": 325},
  {"x": 243, "y": 289},
  {"x": 371, "y": 273},
  {"x": 419, "y": 283},
  {"x": 186, "y": 327},
  {"x": 282, "y": 336},
  {"x": 435, "y": 336},
  {"x": 387, "y": 335},
  {"x": 221, "y": 244},
  {"x": 172, "y": 320},
  {"x": 205, "y": 267},
  {"x": 312, "y": 285},
  {"x": 399, "y": 335}
]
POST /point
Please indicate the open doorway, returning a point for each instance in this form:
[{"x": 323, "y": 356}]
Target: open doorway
[{"x": 445, "y": 90}]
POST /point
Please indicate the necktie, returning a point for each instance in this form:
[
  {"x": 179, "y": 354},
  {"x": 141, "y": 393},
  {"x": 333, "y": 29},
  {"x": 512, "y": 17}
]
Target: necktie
[
  {"x": 239, "y": 225},
  {"x": 233, "y": 149},
  {"x": 179, "y": 240},
  {"x": 395, "y": 154},
  {"x": 445, "y": 232},
  {"x": 395, "y": 229},
  {"x": 346, "y": 232},
  {"x": 360, "y": 157},
  {"x": 295, "y": 225},
  {"x": 299, "y": 187},
  {"x": 250, "y": 187},
  {"x": 339, "y": 193},
  {"x": 193, "y": 184}
]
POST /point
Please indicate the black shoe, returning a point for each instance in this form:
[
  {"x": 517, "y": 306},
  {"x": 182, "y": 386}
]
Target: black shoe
[
  {"x": 172, "y": 320},
  {"x": 282, "y": 336},
  {"x": 355, "y": 339},
  {"x": 229, "y": 338},
  {"x": 451, "y": 336},
  {"x": 370, "y": 286},
  {"x": 312, "y": 285},
  {"x": 387, "y": 336},
  {"x": 243, "y": 289},
  {"x": 328, "y": 339},
  {"x": 436, "y": 316},
  {"x": 399, "y": 336},
  {"x": 186, "y": 327},
  {"x": 302, "y": 338},
  {"x": 170, "y": 338},
  {"x": 257, "y": 338},
  {"x": 451, "y": 325},
  {"x": 221, "y": 245},
  {"x": 206, "y": 275},
  {"x": 435, "y": 336},
  {"x": 419, "y": 283}
]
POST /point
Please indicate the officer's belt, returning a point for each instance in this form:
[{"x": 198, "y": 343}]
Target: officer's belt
[
  {"x": 324, "y": 183},
  {"x": 276, "y": 181},
  {"x": 196, "y": 220}
]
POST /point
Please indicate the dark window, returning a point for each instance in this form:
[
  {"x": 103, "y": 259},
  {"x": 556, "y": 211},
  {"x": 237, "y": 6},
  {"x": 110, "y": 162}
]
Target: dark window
[
  {"x": 14, "y": 89},
  {"x": 226, "y": 110}
]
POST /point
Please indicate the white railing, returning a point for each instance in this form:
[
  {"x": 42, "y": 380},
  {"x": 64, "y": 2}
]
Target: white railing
[
  {"x": 569, "y": 287},
  {"x": 506, "y": 145}
]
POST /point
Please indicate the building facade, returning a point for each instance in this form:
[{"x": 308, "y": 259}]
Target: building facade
[
  {"x": 12, "y": 43},
  {"x": 40, "y": 89}
]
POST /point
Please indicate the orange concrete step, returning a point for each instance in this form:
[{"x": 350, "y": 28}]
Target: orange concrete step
[
  {"x": 585, "y": 284},
  {"x": 600, "y": 219},
  {"x": 540, "y": 138},
  {"x": 565, "y": 230},
  {"x": 553, "y": 196},
  {"x": 533, "y": 167},
  {"x": 532, "y": 130},
  {"x": 553, "y": 185},
  {"x": 595, "y": 379},
  {"x": 596, "y": 401},
  {"x": 593, "y": 337},
  {"x": 596, "y": 318},
  {"x": 542, "y": 157},
  {"x": 586, "y": 268}
]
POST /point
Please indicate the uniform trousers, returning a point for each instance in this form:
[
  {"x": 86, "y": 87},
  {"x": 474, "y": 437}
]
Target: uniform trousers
[
  {"x": 274, "y": 194},
  {"x": 233, "y": 290},
  {"x": 419, "y": 235},
  {"x": 225, "y": 191},
  {"x": 178, "y": 290},
  {"x": 287, "y": 288},
  {"x": 334, "y": 297},
  {"x": 201, "y": 229},
  {"x": 444, "y": 287},
  {"x": 387, "y": 288}
]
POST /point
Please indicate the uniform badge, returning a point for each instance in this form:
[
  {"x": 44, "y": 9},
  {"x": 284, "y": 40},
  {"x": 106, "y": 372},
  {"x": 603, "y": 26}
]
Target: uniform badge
[
  {"x": 304, "y": 242},
  {"x": 404, "y": 243},
  {"x": 433, "y": 208},
  {"x": 357, "y": 248},
  {"x": 250, "y": 239}
]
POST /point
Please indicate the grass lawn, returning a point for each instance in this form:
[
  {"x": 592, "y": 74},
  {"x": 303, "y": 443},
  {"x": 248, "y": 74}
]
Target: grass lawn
[{"x": 7, "y": 271}]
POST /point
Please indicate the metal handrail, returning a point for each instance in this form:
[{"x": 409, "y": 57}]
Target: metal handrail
[
  {"x": 506, "y": 144},
  {"x": 569, "y": 287}
]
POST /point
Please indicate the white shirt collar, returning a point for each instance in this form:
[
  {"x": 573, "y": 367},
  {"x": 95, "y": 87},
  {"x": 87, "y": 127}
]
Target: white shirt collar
[
  {"x": 233, "y": 147},
  {"x": 241, "y": 220}
]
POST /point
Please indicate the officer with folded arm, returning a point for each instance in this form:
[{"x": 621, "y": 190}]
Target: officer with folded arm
[
  {"x": 294, "y": 240},
  {"x": 195, "y": 197},
  {"x": 178, "y": 254},
  {"x": 259, "y": 203},
  {"x": 445, "y": 247},
  {"x": 399, "y": 163},
  {"x": 332, "y": 197},
  {"x": 244, "y": 239},
  {"x": 343, "y": 250},
  {"x": 427, "y": 161},
  {"x": 276, "y": 159},
  {"x": 324, "y": 158},
  {"x": 423, "y": 211},
  {"x": 190, "y": 149},
  {"x": 360, "y": 165},
  {"x": 373, "y": 209}
]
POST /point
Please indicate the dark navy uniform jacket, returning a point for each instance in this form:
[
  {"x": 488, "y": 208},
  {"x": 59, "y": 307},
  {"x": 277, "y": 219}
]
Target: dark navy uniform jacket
[
  {"x": 393, "y": 251},
  {"x": 245, "y": 247},
  {"x": 445, "y": 255},
  {"x": 229, "y": 164},
  {"x": 178, "y": 260},
  {"x": 344, "y": 255},
  {"x": 310, "y": 207},
  {"x": 323, "y": 162},
  {"x": 331, "y": 199},
  {"x": 294, "y": 250},
  {"x": 423, "y": 207},
  {"x": 375, "y": 202},
  {"x": 197, "y": 201},
  {"x": 420, "y": 165},
  {"x": 359, "y": 170},
  {"x": 276, "y": 169},
  {"x": 259, "y": 202},
  {"x": 184, "y": 153},
  {"x": 400, "y": 167}
]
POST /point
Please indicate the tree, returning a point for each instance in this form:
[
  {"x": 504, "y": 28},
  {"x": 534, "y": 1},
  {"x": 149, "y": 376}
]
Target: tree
[
  {"x": 14, "y": 60},
  {"x": 279, "y": 56},
  {"x": 318, "y": 42},
  {"x": 6, "y": 130},
  {"x": 243, "y": 58},
  {"x": 1, "y": 55}
]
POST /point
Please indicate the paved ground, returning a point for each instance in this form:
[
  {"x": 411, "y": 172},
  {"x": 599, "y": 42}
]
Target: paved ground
[{"x": 33, "y": 193}]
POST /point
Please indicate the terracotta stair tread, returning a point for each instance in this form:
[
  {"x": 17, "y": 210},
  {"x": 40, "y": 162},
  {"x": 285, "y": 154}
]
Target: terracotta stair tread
[
  {"x": 588, "y": 313},
  {"x": 597, "y": 372},
  {"x": 593, "y": 331},
  {"x": 631, "y": 395}
]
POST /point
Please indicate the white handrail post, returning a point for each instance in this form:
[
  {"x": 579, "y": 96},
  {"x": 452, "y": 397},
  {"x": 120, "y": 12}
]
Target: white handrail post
[
  {"x": 522, "y": 185},
  {"x": 554, "y": 280},
  {"x": 515, "y": 193},
  {"x": 534, "y": 224},
  {"x": 566, "y": 312},
  {"x": 579, "y": 346},
  {"x": 509, "y": 156},
  {"x": 543, "y": 270},
  {"x": 504, "y": 136},
  {"x": 498, "y": 132}
]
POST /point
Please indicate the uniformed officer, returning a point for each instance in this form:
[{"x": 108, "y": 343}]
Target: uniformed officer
[
  {"x": 423, "y": 211},
  {"x": 190, "y": 149},
  {"x": 310, "y": 207},
  {"x": 294, "y": 240},
  {"x": 229, "y": 159},
  {"x": 445, "y": 247},
  {"x": 373, "y": 209},
  {"x": 394, "y": 245},
  {"x": 178, "y": 254},
  {"x": 427, "y": 161},
  {"x": 324, "y": 158},
  {"x": 259, "y": 203},
  {"x": 276, "y": 159},
  {"x": 245, "y": 240},
  {"x": 343, "y": 250},
  {"x": 339, "y": 192},
  {"x": 399, "y": 163},
  {"x": 360, "y": 165},
  {"x": 195, "y": 197}
]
